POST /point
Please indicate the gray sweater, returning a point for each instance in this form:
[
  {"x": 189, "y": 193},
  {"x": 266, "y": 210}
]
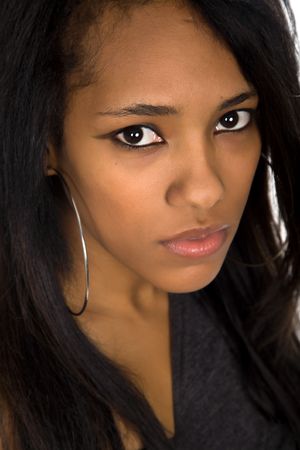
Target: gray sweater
[{"x": 212, "y": 408}]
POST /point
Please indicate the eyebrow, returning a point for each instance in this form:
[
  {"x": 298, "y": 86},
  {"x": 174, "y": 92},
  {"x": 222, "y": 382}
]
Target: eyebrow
[{"x": 144, "y": 109}]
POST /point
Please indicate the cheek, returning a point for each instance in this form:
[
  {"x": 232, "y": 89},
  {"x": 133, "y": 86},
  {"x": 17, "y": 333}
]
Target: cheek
[
  {"x": 239, "y": 164},
  {"x": 123, "y": 223},
  {"x": 117, "y": 209}
]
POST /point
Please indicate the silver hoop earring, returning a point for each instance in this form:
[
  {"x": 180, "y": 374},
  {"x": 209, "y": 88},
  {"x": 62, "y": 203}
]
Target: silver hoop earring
[{"x": 83, "y": 244}]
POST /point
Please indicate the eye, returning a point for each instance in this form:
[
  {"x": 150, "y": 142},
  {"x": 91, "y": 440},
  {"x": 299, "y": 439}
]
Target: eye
[
  {"x": 235, "y": 120},
  {"x": 137, "y": 136}
]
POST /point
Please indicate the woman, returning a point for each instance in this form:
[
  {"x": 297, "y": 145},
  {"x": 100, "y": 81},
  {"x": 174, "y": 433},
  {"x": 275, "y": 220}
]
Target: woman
[{"x": 148, "y": 294}]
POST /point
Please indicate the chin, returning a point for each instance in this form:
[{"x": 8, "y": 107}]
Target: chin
[{"x": 190, "y": 282}]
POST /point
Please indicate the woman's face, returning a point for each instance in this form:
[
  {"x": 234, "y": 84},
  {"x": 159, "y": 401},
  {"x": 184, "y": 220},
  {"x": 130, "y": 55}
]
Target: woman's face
[{"x": 179, "y": 92}]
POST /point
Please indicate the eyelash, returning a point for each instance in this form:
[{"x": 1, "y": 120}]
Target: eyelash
[{"x": 251, "y": 111}]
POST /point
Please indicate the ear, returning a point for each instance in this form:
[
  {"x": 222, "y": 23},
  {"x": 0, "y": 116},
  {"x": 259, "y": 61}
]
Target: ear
[{"x": 50, "y": 161}]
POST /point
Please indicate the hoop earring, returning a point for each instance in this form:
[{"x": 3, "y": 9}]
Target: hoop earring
[{"x": 83, "y": 244}]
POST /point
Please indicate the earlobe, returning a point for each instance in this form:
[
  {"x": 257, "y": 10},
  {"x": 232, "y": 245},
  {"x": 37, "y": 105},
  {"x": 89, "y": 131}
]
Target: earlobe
[
  {"x": 50, "y": 161},
  {"x": 50, "y": 171}
]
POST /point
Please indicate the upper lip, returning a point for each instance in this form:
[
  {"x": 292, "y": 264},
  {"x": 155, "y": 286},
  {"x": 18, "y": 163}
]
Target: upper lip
[{"x": 197, "y": 233}]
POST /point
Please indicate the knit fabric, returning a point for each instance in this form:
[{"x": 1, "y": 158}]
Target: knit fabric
[{"x": 212, "y": 408}]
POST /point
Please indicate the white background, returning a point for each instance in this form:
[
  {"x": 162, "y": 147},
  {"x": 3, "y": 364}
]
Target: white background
[{"x": 296, "y": 7}]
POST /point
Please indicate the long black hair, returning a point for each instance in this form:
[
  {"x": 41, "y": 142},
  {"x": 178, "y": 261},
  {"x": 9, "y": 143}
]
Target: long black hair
[{"x": 57, "y": 390}]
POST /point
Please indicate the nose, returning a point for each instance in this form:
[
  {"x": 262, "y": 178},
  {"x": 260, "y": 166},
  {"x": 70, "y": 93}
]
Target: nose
[{"x": 197, "y": 177}]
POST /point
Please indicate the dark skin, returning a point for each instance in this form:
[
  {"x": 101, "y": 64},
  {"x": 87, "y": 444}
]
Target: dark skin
[{"x": 195, "y": 174}]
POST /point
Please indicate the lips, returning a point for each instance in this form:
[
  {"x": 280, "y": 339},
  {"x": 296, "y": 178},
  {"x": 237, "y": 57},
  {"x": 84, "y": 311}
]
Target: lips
[
  {"x": 196, "y": 233},
  {"x": 198, "y": 242}
]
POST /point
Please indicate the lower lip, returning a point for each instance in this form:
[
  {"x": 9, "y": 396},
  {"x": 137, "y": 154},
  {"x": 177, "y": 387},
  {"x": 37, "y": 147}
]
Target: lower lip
[{"x": 196, "y": 248}]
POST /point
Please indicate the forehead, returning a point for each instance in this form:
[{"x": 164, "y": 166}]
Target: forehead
[{"x": 162, "y": 50}]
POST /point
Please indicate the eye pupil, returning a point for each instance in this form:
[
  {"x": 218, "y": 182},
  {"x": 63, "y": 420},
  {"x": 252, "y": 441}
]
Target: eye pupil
[
  {"x": 230, "y": 120},
  {"x": 133, "y": 135}
]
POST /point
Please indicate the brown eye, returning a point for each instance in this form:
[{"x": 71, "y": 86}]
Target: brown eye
[
  {"x": 133, "y": 135},
  {"x": 138, "y": 136},
  {"x": 234, "y": 120}
]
